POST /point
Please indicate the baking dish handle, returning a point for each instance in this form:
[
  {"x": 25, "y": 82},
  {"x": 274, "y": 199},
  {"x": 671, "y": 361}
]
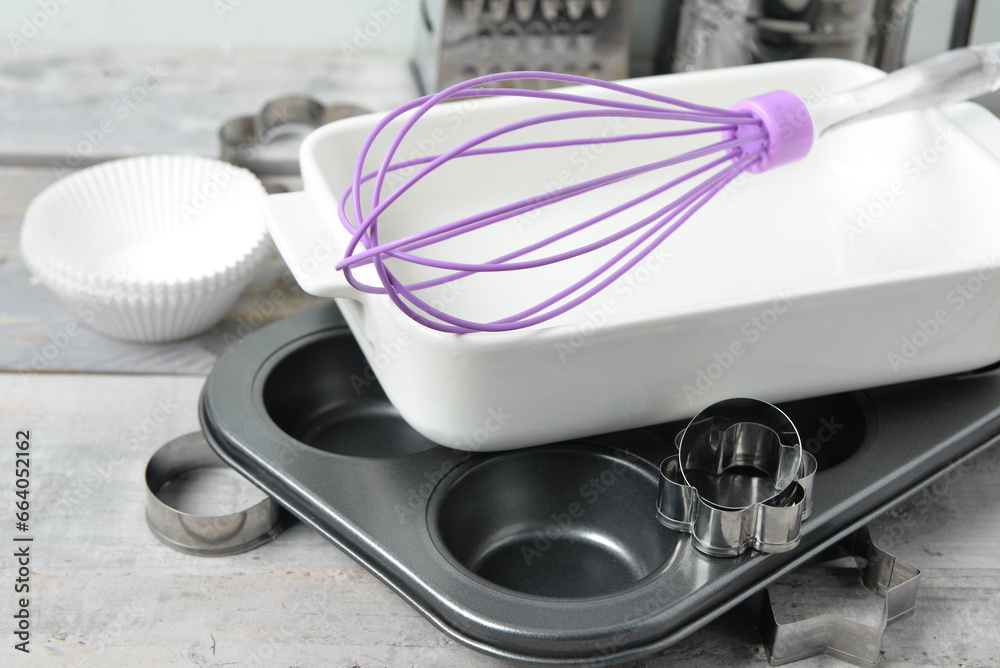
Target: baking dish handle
[{"x": 308, "y": 245}]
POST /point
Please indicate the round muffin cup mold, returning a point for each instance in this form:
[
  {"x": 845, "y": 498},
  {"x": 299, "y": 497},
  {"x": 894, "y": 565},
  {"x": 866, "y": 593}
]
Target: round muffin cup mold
[
  {"x": 321, "y": 396},
  {"x": 505, "y": 521}
]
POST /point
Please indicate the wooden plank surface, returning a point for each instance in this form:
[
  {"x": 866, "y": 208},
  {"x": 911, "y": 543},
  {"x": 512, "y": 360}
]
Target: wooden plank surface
[{"x": 105, "y": 592}]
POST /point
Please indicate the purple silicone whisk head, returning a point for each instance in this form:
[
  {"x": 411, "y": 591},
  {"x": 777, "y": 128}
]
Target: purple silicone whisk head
[{"x": 755, "y": 135}]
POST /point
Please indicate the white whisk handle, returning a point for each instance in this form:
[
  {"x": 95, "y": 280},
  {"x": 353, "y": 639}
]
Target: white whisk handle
[{"x": 953, "y": 76}]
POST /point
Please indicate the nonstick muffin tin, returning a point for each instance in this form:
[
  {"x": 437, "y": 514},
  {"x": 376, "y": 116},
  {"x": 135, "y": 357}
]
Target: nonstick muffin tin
[{"x": 550, "y": 554}]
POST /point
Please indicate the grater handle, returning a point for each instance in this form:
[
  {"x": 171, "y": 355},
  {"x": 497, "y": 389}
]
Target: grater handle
[{"x": 952, "y": 76}]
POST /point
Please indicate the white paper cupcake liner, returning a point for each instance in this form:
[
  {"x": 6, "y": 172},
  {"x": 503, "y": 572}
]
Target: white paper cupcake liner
[
  {"x": 163, "y": 244},
  {"x": 147, "y": 317}
]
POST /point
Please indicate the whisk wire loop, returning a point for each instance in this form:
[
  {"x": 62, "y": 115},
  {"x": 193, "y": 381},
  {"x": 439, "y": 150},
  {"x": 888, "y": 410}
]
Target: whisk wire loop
[
  {"x": 666, "y": 226},
  {"x": 743, "y": 144},
  {"x": 446, "y": 231}
]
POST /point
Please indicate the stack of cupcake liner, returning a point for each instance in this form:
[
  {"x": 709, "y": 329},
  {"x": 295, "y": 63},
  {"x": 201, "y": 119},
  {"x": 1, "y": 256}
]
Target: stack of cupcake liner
[{"x": 154, "y": 248}]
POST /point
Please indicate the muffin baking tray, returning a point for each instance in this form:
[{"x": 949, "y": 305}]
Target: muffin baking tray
[{"x": 551, "y": 554}]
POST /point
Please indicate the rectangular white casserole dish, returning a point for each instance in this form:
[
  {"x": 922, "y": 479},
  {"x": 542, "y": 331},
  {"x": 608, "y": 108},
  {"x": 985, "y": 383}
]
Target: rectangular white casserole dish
[{"x": 875, "y": 260}]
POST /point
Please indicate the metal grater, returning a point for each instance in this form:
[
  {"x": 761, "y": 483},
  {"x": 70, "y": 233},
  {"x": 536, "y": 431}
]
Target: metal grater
[
  {"x": 728, "y": 33},
  {"x": 461, "y": 39}
]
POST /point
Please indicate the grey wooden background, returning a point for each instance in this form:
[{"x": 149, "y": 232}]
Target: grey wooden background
[{"x": 105, "y": 592}]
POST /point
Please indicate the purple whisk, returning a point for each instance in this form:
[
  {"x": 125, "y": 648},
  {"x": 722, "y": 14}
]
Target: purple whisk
[{"x": 752, "y": 136}]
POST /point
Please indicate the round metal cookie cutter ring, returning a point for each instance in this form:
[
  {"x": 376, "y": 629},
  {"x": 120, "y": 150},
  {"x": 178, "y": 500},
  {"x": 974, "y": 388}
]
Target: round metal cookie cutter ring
[{"x": 204, "y": 535}]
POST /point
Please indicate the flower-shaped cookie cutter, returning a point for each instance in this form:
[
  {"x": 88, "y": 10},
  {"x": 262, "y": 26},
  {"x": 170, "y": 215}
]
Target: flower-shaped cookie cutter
[{"x": 740, "y": 480}]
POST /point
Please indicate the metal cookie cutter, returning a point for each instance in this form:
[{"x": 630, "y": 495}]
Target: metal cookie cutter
[
  {"x": 244, "y": 140},
  {"x": 204, "y": 535},
  {"x": 740, "y": 480},
  {"x": 883, "y": 574}
]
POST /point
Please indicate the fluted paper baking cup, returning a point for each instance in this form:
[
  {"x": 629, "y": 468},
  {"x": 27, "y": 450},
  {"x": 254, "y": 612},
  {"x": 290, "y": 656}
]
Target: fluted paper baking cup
[
  {"x": 165, "y": 244},
  {"x": 148, "y": 316}
]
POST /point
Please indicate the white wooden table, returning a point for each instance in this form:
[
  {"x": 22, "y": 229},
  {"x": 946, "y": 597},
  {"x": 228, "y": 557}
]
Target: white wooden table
[{"x": 104, "y": 592}]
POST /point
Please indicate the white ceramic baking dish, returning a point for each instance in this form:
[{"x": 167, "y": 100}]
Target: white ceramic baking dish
[{"x": 875, "y": 260}]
